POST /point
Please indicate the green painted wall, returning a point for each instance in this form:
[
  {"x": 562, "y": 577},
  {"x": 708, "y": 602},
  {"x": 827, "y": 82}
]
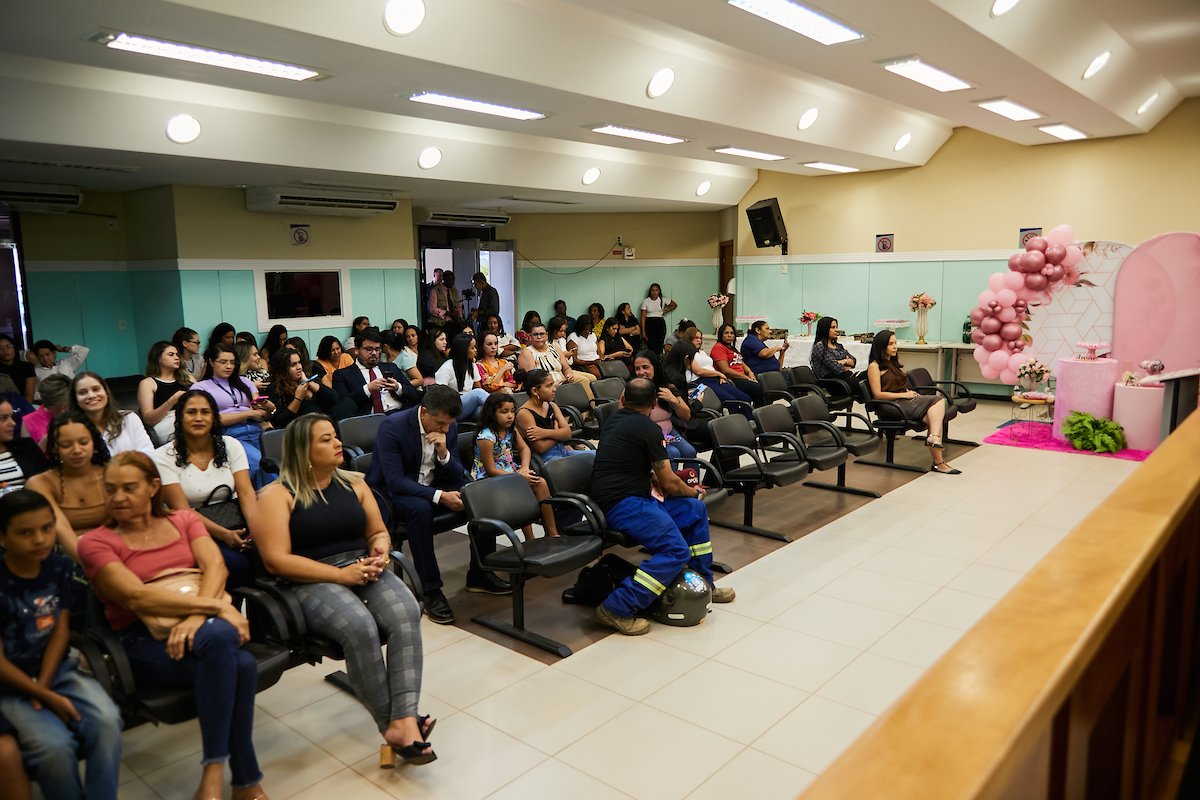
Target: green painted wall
[{"x": 95, "y": 309}]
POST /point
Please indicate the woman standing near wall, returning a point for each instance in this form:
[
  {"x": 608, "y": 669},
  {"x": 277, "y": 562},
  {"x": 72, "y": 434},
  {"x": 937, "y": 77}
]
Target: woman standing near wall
[{"x": 654, "y": 308}]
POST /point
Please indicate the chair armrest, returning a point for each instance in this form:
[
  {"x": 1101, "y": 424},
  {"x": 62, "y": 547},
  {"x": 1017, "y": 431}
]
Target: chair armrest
[
  {"x": 777, "y": 394},
  {"x": 805, "y": 388},
  {"x": 121, "y": 671},
  {"x": 404, "y": 568},
  {"x": 708, "y": 465},
  {"x": 292, "y": 612},
  {"x": 842, "y": 389},
  {"x": 592, "y": 508},
  {"x": 264, "y": 610},
  {"x": 876, "y": 405},
  {"x": 586, "y": 444},
  {"x": 825, "y": 426},
  {"x": 92, "y": 651},
  {"x": 960, "y": 389},
  {"x": 854, "y": 415},
  {"x": 600, "y": 401},
  {"x": 741, "y": 449},
  {"x": 496, "y": 526},
  {"x": 789, "y": 439},
  {"x": 573, "y": 417},
  {"x": 709, "y": 413},
  {"x": 931, "y": 390},
  {"x": 580, "y": 505},
  {"x": 733, "y": 405}
]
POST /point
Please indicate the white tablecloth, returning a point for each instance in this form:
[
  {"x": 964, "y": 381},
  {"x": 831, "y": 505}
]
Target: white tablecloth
[{"x": 801, "y": 348}]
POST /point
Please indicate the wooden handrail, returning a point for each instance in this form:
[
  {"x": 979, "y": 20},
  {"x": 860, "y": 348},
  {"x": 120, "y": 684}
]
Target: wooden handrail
[{"x": 996, "y": 712}]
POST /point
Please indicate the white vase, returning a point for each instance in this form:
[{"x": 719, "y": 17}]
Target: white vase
[
  {"x": 718, "y": 318},
  {"x": 922, "y": 324}
]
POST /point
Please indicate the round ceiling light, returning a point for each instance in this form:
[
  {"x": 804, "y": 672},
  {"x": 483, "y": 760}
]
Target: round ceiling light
[
  {"x": 430, "y": 157},
  {"x": 660, "y": 84},
  {"x": 1149, "y": 101},
  {"x": 402, "y": 17},
  {"x": 902, "y": 142},
  {"x": 807, "y": 119},
  {"x": 1097, "y": 64},
  {"x": 1001, "y": 7},
  {"x": 703, "y": 188},
  {"x": 183, "y": 129},
  {"x": 591, "y": 176}
]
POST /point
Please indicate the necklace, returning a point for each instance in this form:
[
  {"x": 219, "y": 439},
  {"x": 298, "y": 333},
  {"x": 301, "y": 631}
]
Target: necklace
[{"x": 78, "y": 494}]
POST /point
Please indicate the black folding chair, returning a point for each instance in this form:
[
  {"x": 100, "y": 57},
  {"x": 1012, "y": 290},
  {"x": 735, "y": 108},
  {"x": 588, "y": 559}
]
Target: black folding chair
[
  {"x": 733, "y": 438},
  {"x": 958, "y": 397},
  {"x": 358, "y": 433},
  {"x": 614, "y": 369}
]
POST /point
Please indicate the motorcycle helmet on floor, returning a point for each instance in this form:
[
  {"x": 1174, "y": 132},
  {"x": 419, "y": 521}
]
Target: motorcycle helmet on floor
[{"x": 685, "y": 601}]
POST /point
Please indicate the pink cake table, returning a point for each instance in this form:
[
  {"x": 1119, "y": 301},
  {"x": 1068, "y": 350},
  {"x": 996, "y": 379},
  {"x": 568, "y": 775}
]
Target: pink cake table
[
  {"x": 1083, "y": 385},
  {"x": 1139, "y": 410}
]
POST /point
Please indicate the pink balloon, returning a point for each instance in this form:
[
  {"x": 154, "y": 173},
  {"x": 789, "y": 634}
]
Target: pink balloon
[
  {"x": 991, "y": 342},
  {"x": 1037, "y": 243},
  {"x": 1010, "y": 331},
  {"x": 1016, "y": 360},
  {"x": 1061, "y": 235},
  {"x": 977, "y": 315},
  {"x": 988, "y": 372},
  {"x": 1036, "y": 282},
  {"x": 1056, "y": 273},
  {"x": 1014, "y": 280},
  {"x": 1014, "y": 262},
  {"x": 996, "y": 281},
  {"x": 986, "y": 297},
  {"x": 998, "y": 359},
  {"x": 1055, "y": 253},
  {"x": 1007, "y": 314},
  {"x": 976, "y": 336},
  {"x": 990, "y": 325},
  {"x": 1006, "y": 297},
  {"x": 980, "y": 354},
  {"x": 1017, "y": 346},
  {"x": 1032, "y": 261},
  {"x": 1008, "y": 376},
  {"x": 1074, "y": 254}
]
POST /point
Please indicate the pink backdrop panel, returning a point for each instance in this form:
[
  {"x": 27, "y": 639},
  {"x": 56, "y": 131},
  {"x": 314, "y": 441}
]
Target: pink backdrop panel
[{"x": 1156, "y": 312}]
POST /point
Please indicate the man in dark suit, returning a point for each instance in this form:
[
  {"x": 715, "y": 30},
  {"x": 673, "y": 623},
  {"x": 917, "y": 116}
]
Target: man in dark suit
[
  {"x": 416, "y": 463},
  {"x": 489, "y": 299},
  {"x": 373, "y": 387}
]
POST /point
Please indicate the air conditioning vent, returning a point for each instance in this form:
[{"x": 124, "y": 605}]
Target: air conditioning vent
[
  {"x": 40, "y": 198},
  {"x": 294, "y": 200},
  {"x": 462, "y": 217}
]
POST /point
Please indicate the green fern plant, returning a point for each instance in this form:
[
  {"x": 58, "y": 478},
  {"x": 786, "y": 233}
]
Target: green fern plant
[{"x": 1086, "y": 432}]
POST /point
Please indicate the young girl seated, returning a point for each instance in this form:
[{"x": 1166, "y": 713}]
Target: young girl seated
[{"x": 494, "y": 446}]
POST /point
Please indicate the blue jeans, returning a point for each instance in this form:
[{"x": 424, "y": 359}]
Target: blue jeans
[
  {"x": 727, "y": 391},
  {"x": 680, "y": 447},
  {"x": 472, "y": 401},
  {"x": 250, "y": 435},
  {"x": 224, "y": 678},
  {"x": 676, "y": 534},
  {"x": 52, "y": 749},
  {"x": 558, "y": 450}
]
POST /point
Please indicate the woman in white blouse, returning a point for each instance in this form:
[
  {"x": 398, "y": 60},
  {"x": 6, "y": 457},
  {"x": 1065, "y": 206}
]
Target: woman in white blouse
[
  {"x": 122, "y": 430},
  {"x": 654, "y": 308},
  {"x": 460, "y": 373},
  {"x": 582, "y": 343}
]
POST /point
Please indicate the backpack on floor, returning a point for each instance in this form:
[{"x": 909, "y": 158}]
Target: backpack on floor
[{"x": 598, "y": 581}]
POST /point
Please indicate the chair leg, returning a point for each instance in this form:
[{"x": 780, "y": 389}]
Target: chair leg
[
  {"x": 721, "y": 567},
  {"x": 342, "y": 681},
  {"x": 890, "y": 463},
  {"x": 747, "y": 525},
  {"x": 841, "y": 486},
  {"x": 516, "y": 629}
]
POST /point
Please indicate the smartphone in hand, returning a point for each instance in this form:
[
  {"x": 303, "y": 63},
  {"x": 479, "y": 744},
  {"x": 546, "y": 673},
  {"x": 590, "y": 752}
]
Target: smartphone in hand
[{"x": 309, "y": 379}]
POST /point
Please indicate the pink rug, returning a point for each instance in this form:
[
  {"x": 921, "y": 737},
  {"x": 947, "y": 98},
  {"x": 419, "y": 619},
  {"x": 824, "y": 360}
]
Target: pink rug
[{"x": 1036, "y": 436}]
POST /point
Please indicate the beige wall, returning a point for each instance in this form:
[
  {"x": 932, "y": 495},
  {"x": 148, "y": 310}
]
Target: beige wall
[
  {"x": 589, "y": 236},
  {"x": 150, "y": 224},
  {"x": 977, "y": 191},
  {"x": 78, "y": 237},
  {"x": 214, "y": 223}
]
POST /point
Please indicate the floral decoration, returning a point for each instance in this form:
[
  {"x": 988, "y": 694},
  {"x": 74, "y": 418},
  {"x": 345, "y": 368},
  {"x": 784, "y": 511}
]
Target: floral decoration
[
  {"x": 809, "y": 317},
  {"x": 1034, "y": 370},
  {"x": 921, "y": 300},
  {"x": 719, "y": 300}
]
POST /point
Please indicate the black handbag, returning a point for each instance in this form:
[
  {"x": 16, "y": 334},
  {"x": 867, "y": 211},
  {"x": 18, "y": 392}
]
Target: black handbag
[{"x": 225, "y": 512}]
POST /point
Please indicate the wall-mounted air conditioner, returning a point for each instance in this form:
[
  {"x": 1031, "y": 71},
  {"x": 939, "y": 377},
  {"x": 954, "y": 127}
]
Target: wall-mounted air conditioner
[
  {"x": 42, "y": 198},
  {"x": 305, "y": 200},
  {"x": 461, "y": 217}
]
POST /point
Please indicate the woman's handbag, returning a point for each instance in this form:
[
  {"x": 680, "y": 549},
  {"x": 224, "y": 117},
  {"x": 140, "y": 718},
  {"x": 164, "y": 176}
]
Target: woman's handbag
[
  {"x": 225, "y": 512},
  {"x": 184, "y": 581}
]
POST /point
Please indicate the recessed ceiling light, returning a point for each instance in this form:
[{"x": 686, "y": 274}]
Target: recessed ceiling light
[
  {"x": 902, "y": 142},
  {"x": 1097, "y": 64},
  {"x": 703, "y": 188},
  {"x": 183, "y": 129},
  {"x": 132, "y": 43},
  {"x": 478, "y": 106},
  {"x": 1064, "y": 132},
  {"x": 1007, "y": 108},
  {"x": 803, "y": 21},
  {"x": 402, "y": 17},
  {"x": 430, "y": 157},
  {"x": 631, "y": 133},
  {"x": 917, "y": 70},
  {"x": 830, "y": 167},
  {"x": 737, "y": 151},
  {"x": 1149, "y": 101},
  {"x": 807, "y": 119},
  {"x": 1001, "y": 7},
  {"x": 590, "y": 176},
  {"x": 660, "y": 84}
]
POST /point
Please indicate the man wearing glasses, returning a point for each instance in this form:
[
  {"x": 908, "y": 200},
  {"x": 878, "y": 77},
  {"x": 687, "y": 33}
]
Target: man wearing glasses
[{"x": 373, "y": 387}]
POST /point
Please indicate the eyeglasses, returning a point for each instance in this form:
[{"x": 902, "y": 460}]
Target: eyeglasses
[
  {"x": 193, "y": 341},
  {"x": 366, "y": 349},
  {"x": 225, "y": 362}
]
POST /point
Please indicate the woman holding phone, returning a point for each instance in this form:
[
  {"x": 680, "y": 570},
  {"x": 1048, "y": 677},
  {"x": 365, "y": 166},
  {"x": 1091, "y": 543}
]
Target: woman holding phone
[{"x": 295, "y": 393}]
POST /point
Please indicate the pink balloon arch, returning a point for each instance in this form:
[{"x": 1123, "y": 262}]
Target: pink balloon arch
[{"x": 1048, "y": 265}]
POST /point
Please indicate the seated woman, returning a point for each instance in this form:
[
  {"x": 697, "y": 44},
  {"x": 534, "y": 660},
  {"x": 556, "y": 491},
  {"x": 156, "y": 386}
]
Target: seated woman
[
  {"x": 508, "y": 344},
  {"x": 55, "y": 391},
  {"x": 702, "y": 372},
  {"x": 888, "y": 381},
  {"x": 158, "y": 393},
  {"x": 728, "y": 361},
  {"x": 199, "y": 461},
  {"x": 74, "y": 484},
  {"x": 629, "y": 327},
  {"x": 548, "y": 350},
  {"x": 531, "y": 320},
  {"x": 398, "y": 326},
  {"x": 252, "y": 366},
  {"x": 672, "y": 404},
  {"x": 20, "y": 458},
  {"x": 583, "y": 345},
  {"x": 187, "y": 342},
  {"x": 357, "y": 326},
  {"x": 540, "y": 421},
  {"x": 829, "y": 358},
  {"x": 432, "y": 355},
  {"x": 331, "y": 357},
  {"x": 122, "y": 430},
  {"x": 612, "y": 346},
  {"x": 406, "y": 360},
  {"x": 460, "y": 374},
  {"x": 595, "y": 317},
  {"x": 392, "y": 344},
  {"x": 293, "y": 394},
  {"x": 319, "y": 527},
  {"x": 496, "y": 372},
  {"x": 757, "y": 354},
  {"x": 494, "y": 454},
  {"x": 301, "y": 347},
  {"x": 222, "y": 333},
  {"x": 276, "y": 338},
  {"x": 242, "y": 413},
  {"x": 203, "y": 650}
]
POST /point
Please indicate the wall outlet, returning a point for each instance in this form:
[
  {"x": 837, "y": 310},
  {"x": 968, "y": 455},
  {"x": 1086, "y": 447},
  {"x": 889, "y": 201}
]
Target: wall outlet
[{"x": 783, "y": 269}]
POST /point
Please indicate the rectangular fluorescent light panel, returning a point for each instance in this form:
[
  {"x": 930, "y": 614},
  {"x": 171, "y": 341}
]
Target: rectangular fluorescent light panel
[
  {"x": 1007, "y": 108},
  {"x": 803, "y": 21},
  {"x": 198, "y": 55},
  {"x": 478, "y": 106},
  {"x": 917, "y": 70},
  {"x": 631, "y": 133},
  {"x": 737, "y": 151},
  {"x": 1064, "y": 132},
  {"x": 830, "y": 167}
]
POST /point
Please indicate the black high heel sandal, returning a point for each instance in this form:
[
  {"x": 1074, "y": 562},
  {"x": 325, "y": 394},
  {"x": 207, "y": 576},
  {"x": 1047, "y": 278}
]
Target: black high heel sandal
[{"x": 415, "y": 754}]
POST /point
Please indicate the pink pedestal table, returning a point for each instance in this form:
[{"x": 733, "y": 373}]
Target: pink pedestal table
[
  {"x": 1139, "y": 411},
  {"x": 1083, "y": 386}
]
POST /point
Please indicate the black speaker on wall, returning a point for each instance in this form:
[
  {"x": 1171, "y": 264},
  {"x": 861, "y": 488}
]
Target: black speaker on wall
[{"x": 766, "y": 223}]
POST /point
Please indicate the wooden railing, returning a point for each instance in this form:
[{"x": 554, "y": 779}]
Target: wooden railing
[{"x": 1081, "y": 682}]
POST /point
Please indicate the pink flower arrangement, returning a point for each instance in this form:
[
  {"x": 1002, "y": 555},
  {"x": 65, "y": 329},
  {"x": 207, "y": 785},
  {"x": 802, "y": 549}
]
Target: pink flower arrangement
[
  {"x": 809, "y": 317},
  {"x": 718, "y": 300},
  {"x": 921, "y": 300}
]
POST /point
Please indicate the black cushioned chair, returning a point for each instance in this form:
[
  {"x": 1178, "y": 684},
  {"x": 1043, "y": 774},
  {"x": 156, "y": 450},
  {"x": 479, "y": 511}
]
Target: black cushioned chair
[
  {"x": 836, "y": 393},
  {"x": 818, "y": 431},
  {"x": 890, "y": 423},
  {"x": 272, "y": 449},
  {"x": 574, "y": 402},
  {"x": 958, "y": 397},
  {"x": 607, "y": 389},
  {"x": 829, "y": 451},
  {"x": 124, "y": 390},
  {"x": 775, "y": 386},
  {"x": 614, "y": 369},
  {"x": 733, "y": 438},
  {"x": 358, "y": 434},
  {"x": 500, "y": 506}
]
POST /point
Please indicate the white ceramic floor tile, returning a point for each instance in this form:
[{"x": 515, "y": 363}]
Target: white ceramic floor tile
[
  {"x": 339, "y": 725},
  {"x": 759, "y": 598},
  {"x": 434, "y": 637},
  {"x": 133, "y": 789},
  {"x": 954, "y": 609},
  {"x": 917, "y": 566},
  {"x": 840, "y": 621},
  {"x": 148, "y": 748},
  {"x": 831, "y": 548},
  {"x": 550, "y": 709},
  {"x": 983, "y": 580},
  {"x": 552, "y": 778},
  {"x": 649, "y": 755},
  {"x": 470, "y": 669},
  {"x": 610, "y": 664},
  {"x": 299, "y": 687},
  {"x": 985, "y": 503},
  {"x": 814, "y": 733},
  {"x": 755, "y": 774},
  {"x": 791, "y": 569},
  {"x": 346, "y": 784},
  {"x": 871, "y": 683},
  {"x": 1016, "y": 556},
  {"x": 917, "y": 642},
  {"x": 722, "y": 628},
  {"x": 973, "y": 524},
  {"x": 727, "y": 701},
  {"x": 958, "y": 546},
  {"x": 885, "y": 592},
  {"x": 796, "y": 659}
]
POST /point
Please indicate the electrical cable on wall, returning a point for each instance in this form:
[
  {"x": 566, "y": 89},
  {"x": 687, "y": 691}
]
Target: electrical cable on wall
[{"x": 607, "y": 253}]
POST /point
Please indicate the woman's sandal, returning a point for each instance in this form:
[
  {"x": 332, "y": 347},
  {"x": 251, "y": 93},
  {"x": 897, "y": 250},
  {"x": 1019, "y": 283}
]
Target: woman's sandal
[
  {"x": 415, "y": 754},
  {"x": 949, "y": 470},
  {"x": 425, "y": 724},
  {"x": 930, "y": 443}
]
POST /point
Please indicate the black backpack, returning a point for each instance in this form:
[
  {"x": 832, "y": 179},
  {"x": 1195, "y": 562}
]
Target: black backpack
[{"x": 598, "y": 581}]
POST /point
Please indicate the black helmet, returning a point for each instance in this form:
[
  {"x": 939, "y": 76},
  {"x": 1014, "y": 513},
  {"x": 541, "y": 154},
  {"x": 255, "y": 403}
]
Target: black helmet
[{"x": 685, "y": 601}]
